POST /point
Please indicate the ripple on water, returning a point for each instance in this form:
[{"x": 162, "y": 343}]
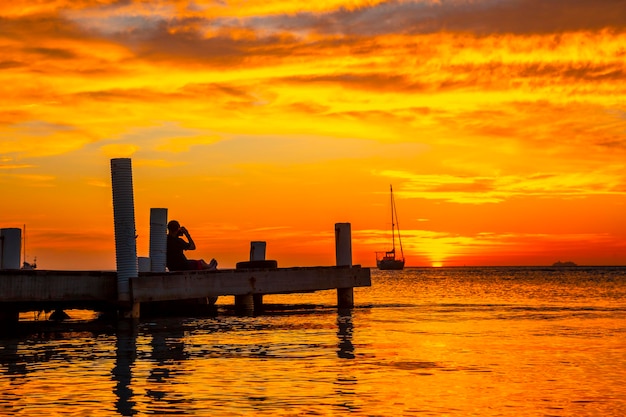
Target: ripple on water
[{"x": 451, "y": 341}]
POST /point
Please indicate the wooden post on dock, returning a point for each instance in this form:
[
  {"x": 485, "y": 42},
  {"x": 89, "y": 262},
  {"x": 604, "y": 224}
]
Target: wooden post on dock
[{"x": 343, "y": 252}]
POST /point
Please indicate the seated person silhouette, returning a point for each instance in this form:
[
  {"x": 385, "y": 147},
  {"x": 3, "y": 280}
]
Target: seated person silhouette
[{"x": 176, "y": 245}]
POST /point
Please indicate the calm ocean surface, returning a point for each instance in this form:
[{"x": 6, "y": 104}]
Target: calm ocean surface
[{"x": 423, "y": 342}]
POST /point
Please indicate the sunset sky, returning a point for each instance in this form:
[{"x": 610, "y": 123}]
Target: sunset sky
[{"x": 501, "y": 125}]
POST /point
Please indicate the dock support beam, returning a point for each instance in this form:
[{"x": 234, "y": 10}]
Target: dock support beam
[
  {"x": 134, "y": 311},
  {"x": 343, "y": 252},
  {"x": 9, "y": 319},
  {"x": 244, "y": 303}
]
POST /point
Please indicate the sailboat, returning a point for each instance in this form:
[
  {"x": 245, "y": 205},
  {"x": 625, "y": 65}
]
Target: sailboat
[
  {"x": 27, "y": 265},
  {"x": 389, "y": 260}
]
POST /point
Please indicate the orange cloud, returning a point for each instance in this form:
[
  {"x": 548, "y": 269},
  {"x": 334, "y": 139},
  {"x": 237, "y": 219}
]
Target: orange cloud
[{"x": 302, "y": 113}]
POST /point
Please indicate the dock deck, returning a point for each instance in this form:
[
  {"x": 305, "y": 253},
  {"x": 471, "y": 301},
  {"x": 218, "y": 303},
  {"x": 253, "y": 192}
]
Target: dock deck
[{"x": 37, "y": 290}]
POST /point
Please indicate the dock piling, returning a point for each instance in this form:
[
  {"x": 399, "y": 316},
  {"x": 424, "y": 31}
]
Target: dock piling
[
  {"x": 124, "y": 223},
  {"x": 343, "y": 252},
  {"x": 10, "y": 248},
  {"x": 244, "y": 303},
  {"x": 257, "y": 253}
]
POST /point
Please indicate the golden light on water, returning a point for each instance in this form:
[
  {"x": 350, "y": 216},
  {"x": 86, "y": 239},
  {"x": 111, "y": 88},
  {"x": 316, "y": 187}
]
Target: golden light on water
[{"x": 494, "y": 341}]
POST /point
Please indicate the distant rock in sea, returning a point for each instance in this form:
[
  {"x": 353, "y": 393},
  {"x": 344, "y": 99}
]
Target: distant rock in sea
[{"x": 568, "y": 263}]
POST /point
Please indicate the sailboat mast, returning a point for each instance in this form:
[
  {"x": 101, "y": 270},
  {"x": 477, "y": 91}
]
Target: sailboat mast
[
  {"x": 393, "y": 224},
  {"x": 398, "y": 225}
]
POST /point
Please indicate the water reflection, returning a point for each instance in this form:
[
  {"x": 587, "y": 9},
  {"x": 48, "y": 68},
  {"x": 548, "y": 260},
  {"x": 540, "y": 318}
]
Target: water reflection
[
  {"x": 168, "y": 352},
  {"x": 10, "y": 358},
  {"x": 162, "y": 375},
  {"x": 125, "y": 355},
  {"x": 346, "y": 383},
  {"x": 428, "y": 343},
  {"x": 345, "y": 348}
]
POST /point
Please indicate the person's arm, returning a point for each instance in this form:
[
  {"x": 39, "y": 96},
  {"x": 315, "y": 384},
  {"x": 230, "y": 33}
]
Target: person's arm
[{"x": 192, "y": 245}]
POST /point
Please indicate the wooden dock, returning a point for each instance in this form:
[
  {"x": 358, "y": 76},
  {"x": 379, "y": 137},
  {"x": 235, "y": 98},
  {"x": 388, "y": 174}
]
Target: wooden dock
[
  {"x": 126, "y": 289},
  {"x": 35, "y": 290}
]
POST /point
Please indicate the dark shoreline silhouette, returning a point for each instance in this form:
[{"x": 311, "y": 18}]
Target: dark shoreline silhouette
[{"x": 567, "y": 263}]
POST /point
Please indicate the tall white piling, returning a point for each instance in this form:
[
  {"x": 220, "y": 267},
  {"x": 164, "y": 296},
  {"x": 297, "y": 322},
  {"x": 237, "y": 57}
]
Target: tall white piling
[
  {"x": 10, "y": 248},
  {"x": 158, "y": 239},
  {"x": 124, "y": 221},
  {"x": 343, "y": 254}
]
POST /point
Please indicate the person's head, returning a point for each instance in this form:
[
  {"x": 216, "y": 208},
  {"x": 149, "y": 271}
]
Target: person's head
[{"x": 172, "y": 227}]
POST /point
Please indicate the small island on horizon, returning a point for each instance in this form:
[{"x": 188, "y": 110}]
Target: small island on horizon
[{"x": 567, "y": 263}]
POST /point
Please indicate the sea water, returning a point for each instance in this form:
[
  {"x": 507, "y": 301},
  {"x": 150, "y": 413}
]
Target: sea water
[{"x": 419, "y": 342}]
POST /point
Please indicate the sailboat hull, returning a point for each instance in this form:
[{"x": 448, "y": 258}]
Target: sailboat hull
[{"x": 391, "y": 264}]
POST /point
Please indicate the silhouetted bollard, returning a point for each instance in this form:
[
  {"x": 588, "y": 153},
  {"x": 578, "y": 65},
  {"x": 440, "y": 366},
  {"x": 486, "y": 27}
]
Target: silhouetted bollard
[{"x": 158, "y": 239}]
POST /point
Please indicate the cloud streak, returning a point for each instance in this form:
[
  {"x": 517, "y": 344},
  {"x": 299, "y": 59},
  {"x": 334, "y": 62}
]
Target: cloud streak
[{"x": 480, "y": 190}]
